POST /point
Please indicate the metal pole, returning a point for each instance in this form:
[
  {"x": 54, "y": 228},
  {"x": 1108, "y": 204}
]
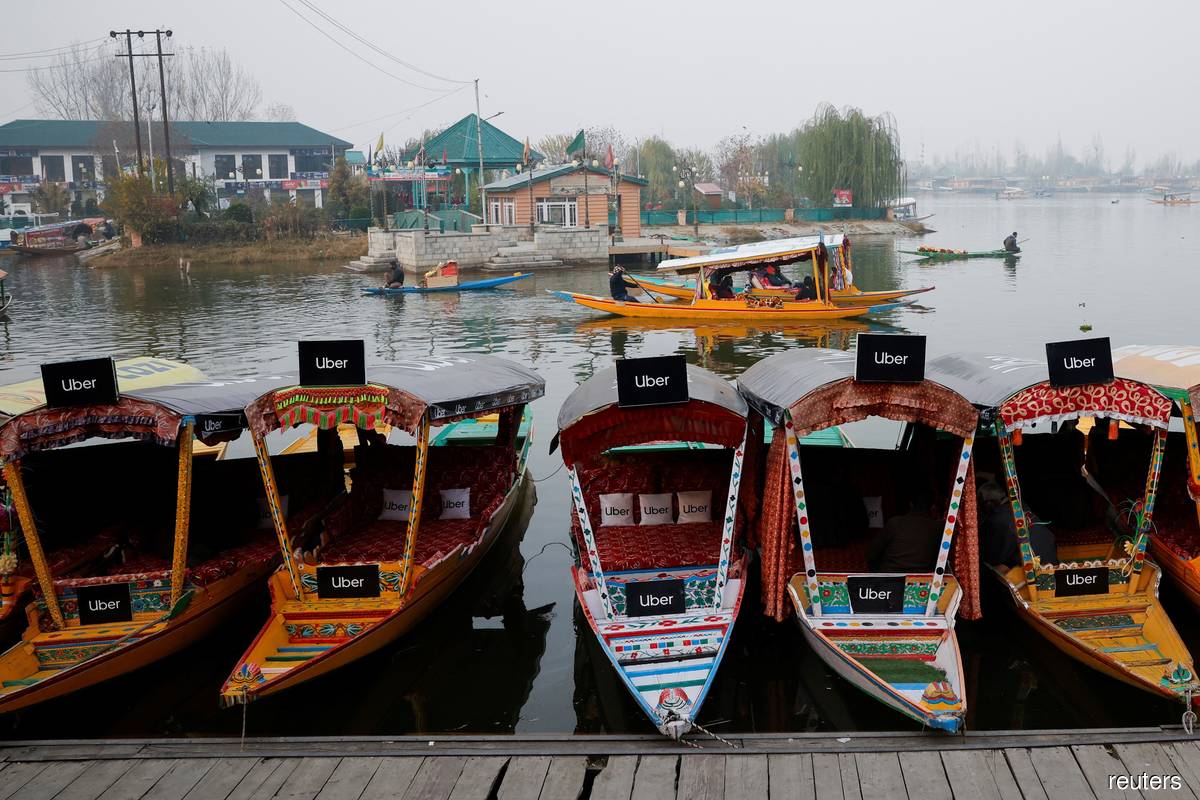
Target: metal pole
[
  {"x": 479, "y": 142},
  {"x": 137, "y": 131},
  {"x": 162, "y": 84},
  {"x": 532, "y": 207},
  {"x": 587, "y": 212}
]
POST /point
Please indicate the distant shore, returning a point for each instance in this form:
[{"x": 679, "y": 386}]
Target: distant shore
[
  {"x": 754, "y": 232},
  {"x": 342, "y": 248}
]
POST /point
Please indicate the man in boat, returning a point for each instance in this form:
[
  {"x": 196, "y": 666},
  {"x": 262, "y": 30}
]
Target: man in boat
[
  {"x": 1010, "y": 243},
  {"x": 617, "y": 286},
  {"x": 909, "y": 541},
  {"x": 395, "y": 276},
  {"x": 722, "y": 288}
]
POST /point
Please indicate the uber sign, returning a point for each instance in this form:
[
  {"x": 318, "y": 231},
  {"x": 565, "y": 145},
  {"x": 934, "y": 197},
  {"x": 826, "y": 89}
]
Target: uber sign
[
  {"x": 357, "y": 581},
  {"x": 655, "y": 381},
  {"x": 871, "y": 594},
  {"x": 92, "y": 381},
  {"x": 1074, "y": 582},
  {"x": 341, "y": 362},
  {"x": 1079, "y": 362},
  {"x": 654, "y": 597},
  {"x": 104, "y": 604},
  {"x": 217, "y": 424},
  {"x": 889, "y": 358}
]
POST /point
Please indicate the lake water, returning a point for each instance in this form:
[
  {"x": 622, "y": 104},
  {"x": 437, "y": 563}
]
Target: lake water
[{"x": 504, "y": 654}]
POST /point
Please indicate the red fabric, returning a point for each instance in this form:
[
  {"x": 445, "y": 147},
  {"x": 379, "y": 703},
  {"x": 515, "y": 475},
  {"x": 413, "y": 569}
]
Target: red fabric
[
  {"x": 624, "y": 547},
  {"x": 848, "y": 401},
  {"x": 617, "y": 427},
  {"x": 1124, "y": 399},
  {"x": 777, "y": 544},
  {"x": 383, "y": 540},
  {"x": 63, "y": 560},
  {"x": 46, "y": 428},
  {"x": 262, "y": 549}
]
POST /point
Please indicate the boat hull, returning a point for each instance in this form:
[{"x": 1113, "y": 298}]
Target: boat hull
[
  {"x": 488, "y": 283},
  {"x": 934, "y": 256},
  {"x": 840, "y": 297},
  {"x": 713, "y": 310}
]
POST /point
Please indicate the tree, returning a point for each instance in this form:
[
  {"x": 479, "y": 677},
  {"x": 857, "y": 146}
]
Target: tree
[
  {"x": 280, "y": 112},
  {"x": 849, "y": 150},
  {"x": 194, "y": 192},
  {"x": 734, "y": 160},
  {"x": 132, "y": 201},
  {"x": 657, "y": 157},
  {"x": 51, "y": 198},
  {"x": 554, "y": 147}
]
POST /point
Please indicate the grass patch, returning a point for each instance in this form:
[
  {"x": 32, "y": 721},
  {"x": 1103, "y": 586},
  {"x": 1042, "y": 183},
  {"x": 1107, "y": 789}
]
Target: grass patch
[
  {"x": 341, "y": 248},
  {"x": 904, "y": 670}
]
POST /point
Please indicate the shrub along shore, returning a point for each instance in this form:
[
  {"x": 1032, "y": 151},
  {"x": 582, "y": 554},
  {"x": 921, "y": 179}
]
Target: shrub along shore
[{"x": 343, "y": 248}]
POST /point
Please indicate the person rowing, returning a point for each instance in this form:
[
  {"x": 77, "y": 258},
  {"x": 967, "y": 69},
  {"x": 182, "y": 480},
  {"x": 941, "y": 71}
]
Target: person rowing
[
  {"x": 617, "y": 286},
  {"x": 1010, "y": 243}
]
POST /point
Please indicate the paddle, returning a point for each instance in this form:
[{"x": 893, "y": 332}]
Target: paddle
[
  {"x": 643, "y": 288},
  {"x": 180, "y": 606}
]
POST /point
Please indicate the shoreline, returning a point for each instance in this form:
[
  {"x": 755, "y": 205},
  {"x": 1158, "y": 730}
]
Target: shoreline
[
  {"x": 744, "y": 232},
  {"x": 334, "y": 248}
]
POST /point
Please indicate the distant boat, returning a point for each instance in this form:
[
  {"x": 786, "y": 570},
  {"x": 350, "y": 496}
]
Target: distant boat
[
  {"x": 1012, "y": 193},
  {"x": 1115, "y": 200},
  {"x": 57, "y": 239},
  {"x": 1043, "y": 193},
  {"x": 1174, "y": 199}
]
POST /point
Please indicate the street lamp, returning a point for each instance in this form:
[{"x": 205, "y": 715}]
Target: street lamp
[{"x": 688, "y": 176}]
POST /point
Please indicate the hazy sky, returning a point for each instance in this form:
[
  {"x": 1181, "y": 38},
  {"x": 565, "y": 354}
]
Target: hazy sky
[{"x": 954, "y": 74}]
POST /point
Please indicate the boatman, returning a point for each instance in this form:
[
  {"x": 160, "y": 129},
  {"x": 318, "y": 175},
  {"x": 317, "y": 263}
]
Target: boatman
[
  {"x": 1010, "y": 243},
  {"x": 394, "y": 277},
  {"x": 617, "y": 286}
]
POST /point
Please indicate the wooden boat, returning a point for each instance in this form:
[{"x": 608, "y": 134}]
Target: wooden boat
[
  {"x": 666, "y": 651},
  {"x": 1175, "y": 541},
  {"x": 686, "y": 290},
  {"x": 97, "y": 250},
  {"x": 1096, "y": 598},
  {"x": 766, "y": 310},
  {"x": 150, "y": 600},
  {"x": 902, "y": 650},
  {"x": 400, "y": 570},
  {"x": 467, "y": 286},
  {"x": 944, "y": 254},
  {"x": 1174, "y": 199},
  {"x": 56, "y": 239}
]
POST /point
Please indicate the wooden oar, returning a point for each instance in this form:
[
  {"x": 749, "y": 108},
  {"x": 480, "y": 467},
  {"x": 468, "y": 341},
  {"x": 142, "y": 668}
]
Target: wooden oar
[
  {"x": 643, "y": 288},
  {"x": 180, "y": 606}
]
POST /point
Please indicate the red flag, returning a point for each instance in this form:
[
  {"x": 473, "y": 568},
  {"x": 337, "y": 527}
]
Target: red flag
[{"x": 609, "y": 160}]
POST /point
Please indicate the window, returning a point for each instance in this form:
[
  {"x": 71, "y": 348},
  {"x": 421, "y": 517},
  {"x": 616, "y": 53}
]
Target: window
[
  {"x": 53, "y": 169},
  {"x": 108, "y": 167},
  {"x": 83, "y": 168},
  {"x": 502, "y": 212},
  {"x": 277, "y": 167},
  {"x": 558, "y": 211},
  {"x": 224, "y": 168},
  {"x": 16, "y": 165},
  {"x": 509, "y": 212},
  {"x": 317, "y": 163},
  {"x": 252, "y": 168}
]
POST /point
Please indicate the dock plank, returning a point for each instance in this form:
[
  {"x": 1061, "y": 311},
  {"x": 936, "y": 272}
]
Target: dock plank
[
  {"x": 969, "y": 776},
  {"x": 350, "y": 778},
  {"x": 827, "y": 776},
  {"x": 93, "y": 781},
  {"x": 180, "y": 779},
  {"x": 702, "y": 777},
  {"x": 393, "y": 778},
  {"x": 18, "y": 773},
  {"x": 259, "y": 784},
  {"x": 434, "y": 780},
  {"x": 479, "y": 778},
  {"x": 50, "y": 782},
  {"x": 792, "y": 774},
  {"x": 1059, "y": 772},
  {"x": 655, "y": 778},
  {"x": 850, "y": 785},
  {"x": 615, "y": 781},
  {"x": 925, "y": 776},
  {"x": 307, "y": 780},
  {"x": 1150, "y": 758},
  {"x": 1024, "y": 774},
  {"x": 1186, "y": 758},
  {"x": 565, "y": 778},
  {"x": 138, "y": 779},
  {"x": 746, "y": 776},
  {"x": 219, "y": 781},
  {"x": 880, "y": 776},
  {"x": 524, "y": 778},
  {"x": 1097, "y": 763}
]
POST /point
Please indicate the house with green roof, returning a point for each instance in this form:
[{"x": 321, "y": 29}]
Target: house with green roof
[
  {"x": 277, "y": 157},
  {"x": 568, "y": 195}
]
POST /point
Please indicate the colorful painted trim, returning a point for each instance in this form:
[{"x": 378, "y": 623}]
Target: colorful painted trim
[
  {"x": 810, "y": 566},
  {"x": 324, "y": 630},
  {"x": 414, "y": 513},
  {"x": 699, "y": 591},
  {"x": 1145, "y": 518},
  {"x": 905, "y": 647},
  {"x": 589, "y": 539},
  {"x": 952, "y": 514},
  {"x": 330, "y": 406},
  {"x": 729, "y": 529},
  {"x": 1014, "y": 498},
  {"x": 1122, "y": 399},
  {"x": 1095, "y": 623},
  {"x": 272, "y": 490}
]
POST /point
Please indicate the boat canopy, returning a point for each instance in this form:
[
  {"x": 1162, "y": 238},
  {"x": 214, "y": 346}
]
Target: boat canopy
[
  {"x": 1019, "y": 391},
  {"x": 23, "y": 389},
  {"x": 748, "y": 256},
  {"x": 591, "y": 422},
  {"x": 1174, "y": 369},
  {"x": 401, "y": 394}
]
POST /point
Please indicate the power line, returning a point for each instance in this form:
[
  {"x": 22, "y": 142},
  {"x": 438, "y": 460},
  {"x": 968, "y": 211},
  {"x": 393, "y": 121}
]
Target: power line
[
  {"x": 44, "y": 66},
  {"x": 401, "y": 111},
  {"x": 49, "y": 51}
]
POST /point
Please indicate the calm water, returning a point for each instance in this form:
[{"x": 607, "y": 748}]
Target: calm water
[{"x": 504, "y": 655}]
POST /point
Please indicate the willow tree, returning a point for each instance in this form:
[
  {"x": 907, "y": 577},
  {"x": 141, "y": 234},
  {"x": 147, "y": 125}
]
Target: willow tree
[{"x": 848, "y": 150}]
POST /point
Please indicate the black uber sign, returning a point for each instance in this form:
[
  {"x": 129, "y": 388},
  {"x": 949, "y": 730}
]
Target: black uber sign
[
  {"x": 882, "y": 357},
  {"x": 655, "y": 381},
  {"x": 1079, "y": 362},
  {"x": 874, "y": 594},
  {"x": 1074, "y": 582},
  {"x": 92, "y": 381},
  {"x": 340, "y": 362},
  {"x": 654, "y": 597},
  {"x": 342, "y": 582},
  {"x": 104, "y": 604},
  {"x": 217, "y": 424}
]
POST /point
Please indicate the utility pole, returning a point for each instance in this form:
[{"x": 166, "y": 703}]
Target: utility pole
[
  {"x": 479, "y": 141},
  {"x": 137, "y": 126},
  {"x": 162, "y": 83}
]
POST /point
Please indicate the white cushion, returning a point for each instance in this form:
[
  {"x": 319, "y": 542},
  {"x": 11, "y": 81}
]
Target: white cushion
[
  {"x": 396, "y": 504},
  {"x": 656, "y": 509},
  {"x": 695, "y": 506},
  {"x": 616, "y": 509},
  {"x": 874, "y": 506},
  {"x": 456, "y": 503},
  {"x": 265, "y": 523}
]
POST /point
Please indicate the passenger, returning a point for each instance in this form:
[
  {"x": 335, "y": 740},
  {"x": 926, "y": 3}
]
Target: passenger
[
  {"x": 617, "y": 286},
  {"x": 723, "y": 290},
  {"x": 758, "y": 279},
  {"x": 807, "y": 290},
  {"x": 395, "y": 276},
  {"x": 909, "y": 542},
  {"x": 998, "y": 530},
  {"x": 776, "y": 279},
  {"x": 1010, "y": 243}
]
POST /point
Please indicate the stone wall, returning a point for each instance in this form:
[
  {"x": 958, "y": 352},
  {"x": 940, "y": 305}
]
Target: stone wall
[
  {"x": 419, "y": 250},
  {"x": 574, "y": 245}
]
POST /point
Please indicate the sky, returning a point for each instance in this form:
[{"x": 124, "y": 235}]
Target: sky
[{"x": 956, "y": 76}]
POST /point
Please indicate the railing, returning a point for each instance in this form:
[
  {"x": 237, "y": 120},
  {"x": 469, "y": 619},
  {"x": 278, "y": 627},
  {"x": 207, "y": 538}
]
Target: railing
[
  {"x": 446, "y": 219},
  {"x": 352, "y": 224}
]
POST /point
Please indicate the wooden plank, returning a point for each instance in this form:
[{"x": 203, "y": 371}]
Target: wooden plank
[
  {"x": 1024, "y": 774},
  {"x": 307, "y": 780},
  {"x": 615, "y": 781},
  {"x": 925, "y": 776},
  {"x": 51, "y": 780},
  {"x": 701, "y": 777},
  {"x": 1059, "y": 772},
  {"x": 393, "y": 778},
  {"x": 17, "y": 774},
  {"x": 180, "y": 778},
  {"x": 1184, "y": 755},
  {"x": 1097, "y": 763},
  {"x": 655, "y": 778},
  {"x": 880, "y": 777},
  {"x": 565, "y": 778},
  {"x": 434, "y": 779},
  {"x": 746, "y": 776},
  {"x": 792, "y": 774},
  {"x": 350, "y": 778},
  {"x": 827, "y": 776},
  {"x": 849, "y": 768},
  {"x": 93, "y": 781},
  {"x": 479, "y": 778},
  {"x": 138, "y": 779},
  {"x": 224, "y": 776},
  {"x": 1151, "y": 760},
  {"x": 266, "y": 781},
  {"x": 967, "y": 776},
  {"x": 524, "y": 778}
]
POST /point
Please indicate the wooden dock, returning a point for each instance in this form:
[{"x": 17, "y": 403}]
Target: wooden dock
[
  {"x": 1061, "y": 765},
  {"x": 655, "y": 248}
]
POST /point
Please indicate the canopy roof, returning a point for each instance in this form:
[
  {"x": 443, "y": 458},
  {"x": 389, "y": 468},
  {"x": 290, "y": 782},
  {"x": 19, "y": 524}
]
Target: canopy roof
[
  {"x": 24, "y": 390},
  {"x": 590, "y": 421},
  {"x": 557, "y": 171},
  {"x": 1175, "y": 369},
  {"x": 751, "y": 255},
  {"x": 90, "y": 134},
  {"x": 460, "y": 143}
]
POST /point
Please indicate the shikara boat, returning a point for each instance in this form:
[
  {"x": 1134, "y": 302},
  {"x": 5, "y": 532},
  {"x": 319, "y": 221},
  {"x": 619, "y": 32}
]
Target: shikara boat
[
  {"x": 1174, "y": 199},
  {"x": 944, "y": 254},
  {"x": 661, "y": 588},
  {"x": 889, "y": 633},
  {"x": 1081, "y": 578},
  {"x": 467, "y": 286},
  {"x": 414, "y": 523},
  {"x": 1175, "y": 540},
  {"x": 56, "y": 239},
  {"x": 180, "y": 560}
]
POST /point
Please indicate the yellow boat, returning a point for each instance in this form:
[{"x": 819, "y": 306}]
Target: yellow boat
[
  {"x": 414, "y": 523},
  {"x": 147, "y": 599},
  {"x": 849, "y": 297},
  {"x": 767, "y": 310},
  {"x": 1083, "y": 580}
]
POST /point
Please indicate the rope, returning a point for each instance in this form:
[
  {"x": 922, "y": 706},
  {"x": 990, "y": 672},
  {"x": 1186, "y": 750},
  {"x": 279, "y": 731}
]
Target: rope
[
  {"x": 551, "y": 475},
  {"x": 690, "y": 743},
  {"x": 563, "y": 545},
  {"x": 1189, "y": 716}
]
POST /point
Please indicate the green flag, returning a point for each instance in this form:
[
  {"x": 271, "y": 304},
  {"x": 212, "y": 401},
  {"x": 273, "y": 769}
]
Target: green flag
[{"x": 577, "y": 145}]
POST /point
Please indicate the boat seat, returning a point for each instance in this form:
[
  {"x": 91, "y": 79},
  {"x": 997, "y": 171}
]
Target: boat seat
[
  {"x": 262, "y": 548},
  {"x": 850, "y": 558},
  {"x": 636, "y": 547},
  {"x": 70, "y": 557}
]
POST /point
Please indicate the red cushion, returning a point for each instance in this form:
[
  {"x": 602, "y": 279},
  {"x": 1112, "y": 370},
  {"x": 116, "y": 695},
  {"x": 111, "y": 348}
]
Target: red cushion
[
  {"x": 625, "y": 547},
  {"x": 262, "y": 548}
]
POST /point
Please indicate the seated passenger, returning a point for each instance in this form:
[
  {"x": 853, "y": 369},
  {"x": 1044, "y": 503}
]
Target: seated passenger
[
  {"x": 807, "y": 290},
  {"x": 758, "y": 279},
  {"x": 724, "y": 289},
  {"x": 909, "y": 541},
  {"x": 776, "y": 279}
]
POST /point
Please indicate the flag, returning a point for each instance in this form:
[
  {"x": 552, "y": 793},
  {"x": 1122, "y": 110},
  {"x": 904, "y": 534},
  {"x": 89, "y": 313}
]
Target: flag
[
  {"x": 444, "y": 156},
  {"x": 525, "y": 152},
  {"x": 379, "y": 144},
  {"x": 577, "y": 144},
  {"x": 609, "y": 160}
]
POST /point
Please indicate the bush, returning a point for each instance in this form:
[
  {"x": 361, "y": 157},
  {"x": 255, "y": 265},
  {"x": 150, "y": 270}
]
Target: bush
[
  {"x": 360, "y": 212},
  {"x": 239, "y": 212},
  {"x": 209, "y": 231}
]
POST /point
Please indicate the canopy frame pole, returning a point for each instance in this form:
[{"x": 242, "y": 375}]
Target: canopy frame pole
[
  {"x": 1014, "y": 498},
  {"x": 183, "y": 507},
  {"x": 810, "y": 565},
  {"x": 414, "y": 507},
  {"x": 1138, "y": 554},
  {"x": 729, "y": 528},
  {"x": 953, "y": 513},
  {"x": 272, "y": 490},
  {"x": 589, "y": 540},
  {"x": 12, "y": 474},
  {"x": 1192, "y": 439}
]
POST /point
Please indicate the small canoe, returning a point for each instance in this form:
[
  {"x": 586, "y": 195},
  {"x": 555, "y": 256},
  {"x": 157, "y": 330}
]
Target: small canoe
[
  {"x": 487, "y": 283},
  {"x": 842, "y": 297},
  {"x": 98, "y": 250},
  {"x": 955, "y": 255},
  {"x": 741, "y": 308}
]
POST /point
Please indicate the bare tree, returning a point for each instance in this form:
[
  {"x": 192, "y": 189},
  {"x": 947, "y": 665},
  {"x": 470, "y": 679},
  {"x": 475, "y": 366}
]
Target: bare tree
[
  {"x": 554, "y": 147},
  {"x": 280, "y": 112},
  {"x": 212, "y": 87}
]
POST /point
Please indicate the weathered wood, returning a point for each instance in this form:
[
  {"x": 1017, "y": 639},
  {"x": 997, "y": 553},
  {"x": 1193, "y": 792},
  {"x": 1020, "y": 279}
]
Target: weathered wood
[
  {"x": 1184, "y": 755},
  {"x": 995, "y": 762},
  {"x": 1153, "y": 761},
  {"x": 615, "y": 781},
  {"x": 850, "y": 785},
  {"x": 827, "y": 776},
  {"x": 967, "y": 776},
  {"x": 435, "y": 779},
  {"x": 50, "y": 782},
  {"x": 524, "y": 778},
  {"x": 393, "y": 778},
  {"x": 565, "y": 778},
  {"x": 479, "y": 778},
  {"x": 1059, "y": 772},
  {"x": 746, "y": 776},
  {"x": 266, "y": 781},
  {"x": 791, "y": 773},
  {"x": 702, "y": 777},
  {"x": 1097, "y": 763},
  {"x": 138, "y": 779},
  {"x": 655, "y": 778},
  {"x": 350, "y": 778},
  {"x": 880, "y": 777},
  {"x": 307, "y": 780},
  {"x": 93, "y": 781},
  {"x": 1024, "y": 774},
  {"x": 924, "y": 776},
  {"x": 180, "y": 779},
  {"x": 17, "y": 774},
  {"x": 219, "y": 781}
]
